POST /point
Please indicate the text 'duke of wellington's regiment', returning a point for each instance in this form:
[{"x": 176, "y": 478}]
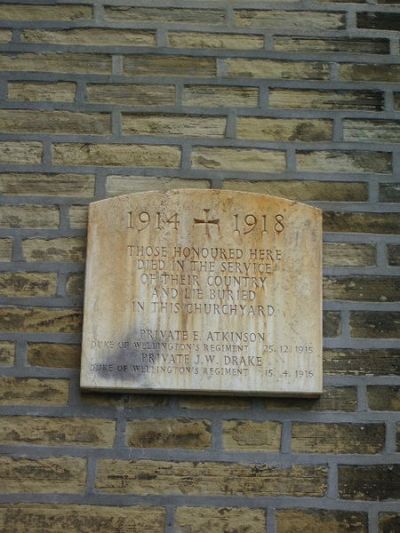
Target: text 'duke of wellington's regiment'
[{"x": 208, "y": 291}]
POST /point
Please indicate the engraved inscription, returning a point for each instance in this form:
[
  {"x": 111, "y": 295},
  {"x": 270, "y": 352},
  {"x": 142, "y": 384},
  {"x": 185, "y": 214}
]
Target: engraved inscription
[{"x": 212, "y": 291}]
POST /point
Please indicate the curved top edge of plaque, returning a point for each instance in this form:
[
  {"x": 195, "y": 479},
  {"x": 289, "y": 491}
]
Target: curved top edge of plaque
[{"x": 223, "y": 193}]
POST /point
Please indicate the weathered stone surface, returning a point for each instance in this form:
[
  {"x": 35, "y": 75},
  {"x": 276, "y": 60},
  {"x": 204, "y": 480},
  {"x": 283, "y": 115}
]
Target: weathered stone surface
[
  {"x": 375, "y": 324},
  {"x": 348, "y": 254},
  {"x": 187, "y": 125},
  {"x": 6, "y": 246},
  {"x": 174, "y": 15},
  {"x": 284, "y": 129},
  {"x": 389, "y": 522},
  {"x": 80, "y": 518},
  {"x": 40, "y": 320},
  {"x": 333, "y": 191},
  {"x": 209, "y": 478},
  {"x": 25, "y": 284},
  {"x": 91, "y": 36},
  {"x": 75, "y": 284},
  {"x": 169, "y": 433},
  {"x": 332, "y": 323},
  {"x": 247, "y": 160},
  {"x": 20, "y": 153},
  {"x": 338, "y": 438},
  {"x": 33, "y": 391},
  {"x": 317, "y": 520},
  {"x": 353, "y": 362},
  {"x": 378, "y": 21},
  {"x": 5, "y": 36},
  {"x": 53, "y": 475},
  {"x": 339, "y": 161},
  {"x": 56, "y": 62},
  {"x": 77, "y": 215},
  {"x": 389, "y": 192},
  {"x": 176, "y": 239},
  {"x": 289, "y": 21},
  {"x": 29, "y": 216},
  {"x": 232, "y": 41},
  {"x": 202, "y": 519},
  {"x": 131, "y": 95},
  {"x": 251, "y": 436},
  {"x": 169, "y": 66},
  {"x": 393, "y": 251},
  {"x": 28, "y": 430},
  {"x": 116, "y": 185},
  {"x": 54, "y": 355},
  {"x": 384, "y": 131},
  {"x": 46, "y": 12},
  {"x": 56, "y": 122},
  {"x": 383, "y": 397},
  {"x": 332, "y": 399},
  {"x": 116, "y": 155},
  {"x": 219, "y": 96},
  {"x": 374, "y": 482},
  {"x": 369, "y": 72},
  {"x": 331, "y": 44},
  {"x": 326, "y": 100},
  {"x": 38, "y": 184},
  {"x": 386, "y": 223},
  {"x": 276, "y": 69},
  {"x": 7, "y": 353},
  {"x": 63, "y": 249},
  {"x": 33, "y": 91},
  {"x": 363, "y": 289}
]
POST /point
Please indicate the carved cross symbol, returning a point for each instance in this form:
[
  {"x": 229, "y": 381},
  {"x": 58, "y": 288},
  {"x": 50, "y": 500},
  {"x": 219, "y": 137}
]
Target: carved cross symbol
[{"x": 206, "y": 221}]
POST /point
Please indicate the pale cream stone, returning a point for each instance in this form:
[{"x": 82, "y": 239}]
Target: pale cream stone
[{"x": 205, "y": 291}]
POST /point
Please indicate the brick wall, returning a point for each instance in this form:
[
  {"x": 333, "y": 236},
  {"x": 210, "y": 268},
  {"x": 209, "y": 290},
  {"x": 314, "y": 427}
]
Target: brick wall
[{"x": 298, "y": 99}]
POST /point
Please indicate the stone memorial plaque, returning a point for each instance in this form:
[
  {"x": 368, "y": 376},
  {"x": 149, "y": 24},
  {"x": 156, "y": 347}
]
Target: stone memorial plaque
[{"x": 204, "y": 291}]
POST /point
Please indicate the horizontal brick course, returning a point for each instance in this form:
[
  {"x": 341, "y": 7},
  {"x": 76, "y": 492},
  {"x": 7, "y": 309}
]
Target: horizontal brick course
[
  {"x": 165, "y": 125},
  {"x": 52, "y": 475},
  {"x": 46, "y": 12},
  {"x": 373, "y": 482},
  {"x": 355, "y": 362},
  {"x": 169, "y": 433},
  {"x": 82, "y": 517},
  {"x": 270, "y": 68},
  {"x": 118, "y": 155},
  {"x": 326, "y": 100},
  {"x": 25, "y": 284},
  {"x": 250, "y": 160},
  {"x": 247, "y": 435},
  {"x": 38, "y": 184},
  {"x": 25, "y": 430},
  {"x": 25, "y": 91},
  {"x": 62, "y": 249},
  {"x": 54, "y": 355},
  {"x": 57, "y": 122},
  {"x": 40, "y": 320},
  {"x": 77, "y": 63},
  {"x": 33, "y": 391},
  {"x": 328, "y": 191},
  {"x": 220, "y": 519},
  {"x": 314, "y": 520},
  {"x": 163, "y": 477},
  {"x": 338, "y": 438},
  {"x": 91, "y": 36}
]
